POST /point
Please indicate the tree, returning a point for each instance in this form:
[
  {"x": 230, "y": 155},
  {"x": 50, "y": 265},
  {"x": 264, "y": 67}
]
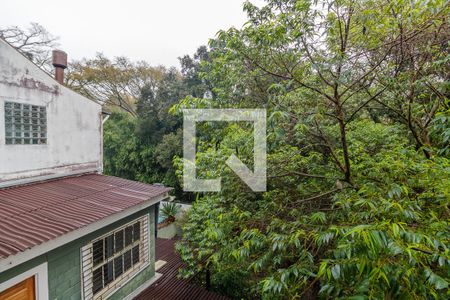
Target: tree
[
  {"x": 415, "y": 76},
  {"x": 150, "y": 138},
  {"x": 117, "y": 83},
  {"x": 356, "y": 207},
  {"x": 191, "y": 69},
  {"x": 35, "y": 42},
  {"x": 154, "y": 138}
]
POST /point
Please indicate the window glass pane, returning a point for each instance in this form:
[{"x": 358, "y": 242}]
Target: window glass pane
[
  {"x": 127, "y": 261},
  {"x": 137, "y": 231},
  {"x": 109, "y": 246},
  {"x": 118, "y": 266},
  {"x": 135, "y": 255},
  {"x": 108, "y": 276},
  {"x": 97, "y": 280},
  {"x": 18, "y": 118},
  {"x": 119, "y": 240},
  {"x": 97, "y": 252},
  {"x": 128, "y": 235}
]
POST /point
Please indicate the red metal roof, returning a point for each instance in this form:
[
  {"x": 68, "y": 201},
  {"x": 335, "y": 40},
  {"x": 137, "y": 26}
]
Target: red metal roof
[
  {"x": 33, "y": 214},
  {"x": 169, "y": 286}
]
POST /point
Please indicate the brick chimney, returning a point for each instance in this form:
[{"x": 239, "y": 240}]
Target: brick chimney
[{"x": 60, "y": 63}]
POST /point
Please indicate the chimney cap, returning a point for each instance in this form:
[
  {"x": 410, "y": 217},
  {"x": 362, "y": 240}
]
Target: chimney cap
[{"x": 59, "y": 59}]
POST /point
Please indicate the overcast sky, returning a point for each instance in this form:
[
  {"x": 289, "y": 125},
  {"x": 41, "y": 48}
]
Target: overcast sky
[{"x": 157, "y": 31}]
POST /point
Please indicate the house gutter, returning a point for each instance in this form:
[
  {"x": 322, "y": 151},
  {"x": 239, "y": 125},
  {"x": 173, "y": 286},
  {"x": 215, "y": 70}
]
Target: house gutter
[
  {"x": 16, "y": 182},
  {"x": 105, "y": 119}
]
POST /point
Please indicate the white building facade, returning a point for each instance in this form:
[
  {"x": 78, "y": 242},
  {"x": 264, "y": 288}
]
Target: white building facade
[{"x": 46, "y": 129}]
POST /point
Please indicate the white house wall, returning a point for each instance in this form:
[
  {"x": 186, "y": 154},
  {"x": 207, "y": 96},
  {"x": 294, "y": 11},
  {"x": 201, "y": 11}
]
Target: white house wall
[{"x": 74, "y": 127}]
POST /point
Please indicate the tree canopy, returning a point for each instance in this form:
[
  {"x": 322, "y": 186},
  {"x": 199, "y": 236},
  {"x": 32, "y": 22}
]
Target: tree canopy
[{"x": 357, "y": 206}]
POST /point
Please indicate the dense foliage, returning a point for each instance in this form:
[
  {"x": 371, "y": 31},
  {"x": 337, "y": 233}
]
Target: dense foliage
[
  {"x": 141, "y": 148},
  {"x": 141, "y": 137},
  {"x": 358, "y": 194}
]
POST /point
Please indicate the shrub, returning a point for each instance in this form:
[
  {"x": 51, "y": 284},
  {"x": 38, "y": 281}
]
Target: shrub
[{"x": 169, "y": 211}]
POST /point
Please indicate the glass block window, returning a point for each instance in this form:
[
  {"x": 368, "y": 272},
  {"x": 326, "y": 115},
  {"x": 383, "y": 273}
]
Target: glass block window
[
  {"x": 113, "y": 258},
  {"x": 25, "y": 124}
]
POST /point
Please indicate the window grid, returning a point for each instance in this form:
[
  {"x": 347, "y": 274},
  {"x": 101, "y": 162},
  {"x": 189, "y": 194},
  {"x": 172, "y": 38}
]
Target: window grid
[
  {"x": 25, "y": 124},
  {"x": 101, "y": 276}
]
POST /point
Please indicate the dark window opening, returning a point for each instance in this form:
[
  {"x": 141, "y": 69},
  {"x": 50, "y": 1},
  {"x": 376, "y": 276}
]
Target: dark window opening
[
  {"x": 109, "y": 246},
  {"x": 127, "y": 260},
  {"x": 135, "y": 254},
  {"x": 108, "y": 275},
  {"x": 128, "y": 236},
  {"x": 136, "y": 231},
  {"x": 97, "y": 280},
  {"x": 97, "y": 252},
  {"x": 118, "y": 266},
  {"x": 119, "y": 240}
]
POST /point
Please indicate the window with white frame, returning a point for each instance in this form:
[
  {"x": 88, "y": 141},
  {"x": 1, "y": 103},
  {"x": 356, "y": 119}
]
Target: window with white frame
[
  {"x": 110, "y": 260},
  {"x": 25, "y": 124}
]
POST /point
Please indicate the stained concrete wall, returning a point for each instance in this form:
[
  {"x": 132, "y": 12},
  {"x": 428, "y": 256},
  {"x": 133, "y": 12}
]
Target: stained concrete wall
[{"x": 74, "y": 123}]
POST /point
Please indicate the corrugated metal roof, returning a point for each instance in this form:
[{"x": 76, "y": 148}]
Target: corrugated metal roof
[
  {"x": 34, "y": 214},
  {"x": 169, "y": 286}
]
